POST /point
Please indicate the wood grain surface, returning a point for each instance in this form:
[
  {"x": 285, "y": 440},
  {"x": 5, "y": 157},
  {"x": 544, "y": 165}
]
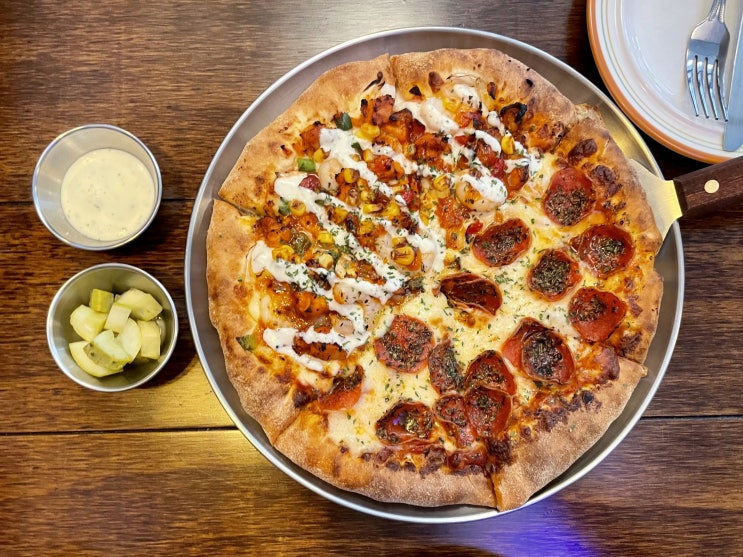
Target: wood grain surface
[{"x": 162, "y": 470}]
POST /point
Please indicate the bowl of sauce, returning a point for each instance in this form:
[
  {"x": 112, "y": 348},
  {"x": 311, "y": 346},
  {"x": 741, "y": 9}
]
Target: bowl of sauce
[{"x": 97, "y": 187}]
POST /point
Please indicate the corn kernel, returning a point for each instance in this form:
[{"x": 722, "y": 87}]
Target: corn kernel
[
  {"x": 368, "y": 208},
  {"x": 350, "y": 175},
  {"x": 325, "y": 260},
  {"x": 367, "y": 155},
  {"x": 451, "y": 104},
  {"x": 368, "y": 131},
  {"x": 365, "y": 195},
  {"x": 339, "y": 214},
  {"x": 297, "y": 208},
  {"x": 366, "y": 227},
  {"x": 507, "y": 144},
  {"x": 325, "y": 237},
  {"x": 283, "y": 252},
  {"x": 404, "y": 255},
  {"x": 399, "y": 241},
  {"x": 391, "y": 210},
  {"x": 441, "y": 182},
  {"x": 319, "y": 155}
]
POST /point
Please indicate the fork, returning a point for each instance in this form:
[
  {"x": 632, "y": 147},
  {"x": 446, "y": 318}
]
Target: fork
[{"x": 706, "y": 52}]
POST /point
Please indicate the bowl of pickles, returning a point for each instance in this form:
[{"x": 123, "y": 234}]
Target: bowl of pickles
[{"x": 112, "y": 327}]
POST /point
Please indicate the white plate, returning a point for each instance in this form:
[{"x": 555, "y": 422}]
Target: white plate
[{"x": 640, "y": 47}]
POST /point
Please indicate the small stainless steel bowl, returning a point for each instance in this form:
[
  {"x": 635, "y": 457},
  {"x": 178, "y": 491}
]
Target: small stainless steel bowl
[
  {"x": 117, "y": 278},
  {"x": 56, "y": 160}
]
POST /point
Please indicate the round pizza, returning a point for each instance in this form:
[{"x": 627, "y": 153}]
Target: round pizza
[{"x": 433, "y": 279}]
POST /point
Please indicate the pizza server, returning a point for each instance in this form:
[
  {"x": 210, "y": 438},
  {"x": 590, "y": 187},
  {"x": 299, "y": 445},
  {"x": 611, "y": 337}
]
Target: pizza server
[{"x": 713, "y": 187}]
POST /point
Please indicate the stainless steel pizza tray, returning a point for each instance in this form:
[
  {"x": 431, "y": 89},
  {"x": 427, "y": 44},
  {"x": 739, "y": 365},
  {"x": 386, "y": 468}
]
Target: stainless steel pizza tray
[{"x": 276, "y": 99}]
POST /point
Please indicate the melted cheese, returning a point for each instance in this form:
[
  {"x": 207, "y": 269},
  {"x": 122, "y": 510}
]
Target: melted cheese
[{"x": 430, "y": 306}]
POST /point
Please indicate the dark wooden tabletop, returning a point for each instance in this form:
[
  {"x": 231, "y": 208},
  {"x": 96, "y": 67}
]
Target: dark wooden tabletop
[{"x": 162, "y": 469}]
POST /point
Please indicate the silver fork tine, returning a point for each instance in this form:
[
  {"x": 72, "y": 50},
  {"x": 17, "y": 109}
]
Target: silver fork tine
[
  {"x": 706, "y": 52},
  {"x": 711, "y": 81},
  {"x": 719, "y": 75},
  {"x": 701, "y": 72}
]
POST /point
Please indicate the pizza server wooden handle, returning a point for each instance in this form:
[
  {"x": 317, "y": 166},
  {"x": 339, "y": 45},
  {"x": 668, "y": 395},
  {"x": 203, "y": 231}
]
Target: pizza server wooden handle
[
  {"x": 713, "y": 187},
  {"x": 702, "y": 191}
]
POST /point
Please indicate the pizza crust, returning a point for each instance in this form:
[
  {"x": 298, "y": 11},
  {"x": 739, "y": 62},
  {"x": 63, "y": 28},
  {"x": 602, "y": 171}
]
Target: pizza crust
[
  {"x": 306, "y": 444},
  {"x": 263, "y": 395}
]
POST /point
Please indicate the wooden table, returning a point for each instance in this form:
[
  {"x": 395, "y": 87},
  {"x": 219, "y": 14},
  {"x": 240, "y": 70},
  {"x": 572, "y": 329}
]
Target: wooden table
[{"x": 162, "y": 469}]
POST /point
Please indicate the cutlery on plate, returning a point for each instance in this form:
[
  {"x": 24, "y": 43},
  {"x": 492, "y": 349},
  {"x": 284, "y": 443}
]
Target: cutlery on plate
[
  {"x": 733, "y": 137},
  {"x": 712, "y": 187},
  {"x": 706, "y": 52}
]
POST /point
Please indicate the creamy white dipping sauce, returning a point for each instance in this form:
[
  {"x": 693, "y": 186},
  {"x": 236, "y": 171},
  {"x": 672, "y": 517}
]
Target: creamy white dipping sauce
[{"x": 107, "y": 194}]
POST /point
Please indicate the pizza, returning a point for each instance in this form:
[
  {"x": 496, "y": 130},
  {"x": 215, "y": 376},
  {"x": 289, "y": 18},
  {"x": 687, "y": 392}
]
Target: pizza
[{"x": 433, "y": 279}]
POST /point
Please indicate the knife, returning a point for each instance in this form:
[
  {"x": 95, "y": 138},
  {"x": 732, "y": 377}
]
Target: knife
[
  {"x": 693, "y": 194},
  {"x": 733, "y": 136}
]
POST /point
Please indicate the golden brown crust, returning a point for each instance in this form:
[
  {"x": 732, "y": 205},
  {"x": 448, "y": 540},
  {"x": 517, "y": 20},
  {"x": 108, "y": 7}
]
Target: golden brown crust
[
  {"x": 542, "y": 459},
  {"x": 262, "y": 394},
  {"x": 306, "y": 444},
  {"x": 549, "y": 113},
  {"x": 271, "y": 150}
]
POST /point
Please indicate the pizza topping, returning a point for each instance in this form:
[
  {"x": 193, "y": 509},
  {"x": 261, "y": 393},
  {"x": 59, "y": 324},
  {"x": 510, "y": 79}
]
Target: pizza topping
[
  {"x": 569, "y": 198},
  {"x": 406, "y": 344},
  {"x": 545, "y": 356},
  {"x": 554, "y": 274},
  {"x": 502, "y": 244},
  {"x": 443, "y": 368},
  {"x": 489, "y": 370},
  {"x": 605, "y": 248},
  {"x": 345, "y": 392},
  {"x": 451, "y": 412},
  {"x": 406, "y": 422},
  {"x": 596, "y": 313},
  {"x": 539, "y": 352},
  {"x": 472, "y": 291},
  {"x": 487, "y": 410}
]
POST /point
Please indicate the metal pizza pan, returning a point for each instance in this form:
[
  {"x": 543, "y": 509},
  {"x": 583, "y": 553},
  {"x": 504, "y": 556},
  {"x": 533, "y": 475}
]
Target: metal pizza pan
[{"x": 275, "y": 100}]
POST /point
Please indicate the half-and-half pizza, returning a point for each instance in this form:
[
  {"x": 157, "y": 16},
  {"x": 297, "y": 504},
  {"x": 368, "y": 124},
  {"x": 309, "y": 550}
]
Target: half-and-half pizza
[{"x": 433, "y": 279}]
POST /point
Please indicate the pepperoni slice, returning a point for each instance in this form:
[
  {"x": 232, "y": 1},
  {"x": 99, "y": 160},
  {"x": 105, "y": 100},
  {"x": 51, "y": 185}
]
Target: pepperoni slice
[
  {"x": 569, "y": 198},
  {"x": 443, "y": 368},
  {"x": 596, "y": 313},
  {"x": 489, "y": 370},
  {"x": 606, "y": 248},
  {"x": 406, "y": 345},
  {"x": 487, "y": 410},
  {"x": 345, "y": 392},
  {"x": 540, "y": 352},
  {"x": 554, "y": 274},
  {"x": 512, "y": 346},
  {"x": 405, "y": 422},
  {"x": 461, "y": 461},
  {"x": 546, "y": 357},
  {"x": 450, "y": 411},
  {"x": 471, "y": 290},
  {"x": 502, "y": 244}
]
